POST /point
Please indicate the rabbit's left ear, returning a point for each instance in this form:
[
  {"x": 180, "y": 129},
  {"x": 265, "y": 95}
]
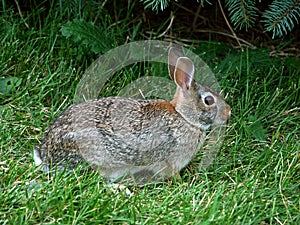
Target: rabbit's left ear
[
  {"x": 184, "y": 73},
  {"x": 173, "y": 56}
]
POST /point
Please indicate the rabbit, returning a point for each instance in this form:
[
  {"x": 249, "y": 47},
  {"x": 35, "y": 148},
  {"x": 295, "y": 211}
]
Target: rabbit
[{"x": 134, "y": 139}]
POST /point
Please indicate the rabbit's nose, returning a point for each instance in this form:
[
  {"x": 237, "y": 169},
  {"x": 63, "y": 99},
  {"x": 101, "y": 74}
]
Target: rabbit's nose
[{"x": 226, "y": 113}]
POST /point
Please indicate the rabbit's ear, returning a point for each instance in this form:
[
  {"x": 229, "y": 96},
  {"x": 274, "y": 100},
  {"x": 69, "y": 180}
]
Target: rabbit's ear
[
  {"x": 184, "y": 73},
  {"x": 174, "y": 54}
]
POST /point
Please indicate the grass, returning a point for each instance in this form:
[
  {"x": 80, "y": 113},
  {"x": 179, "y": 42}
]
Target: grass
[{"x": 254, "y": 179}]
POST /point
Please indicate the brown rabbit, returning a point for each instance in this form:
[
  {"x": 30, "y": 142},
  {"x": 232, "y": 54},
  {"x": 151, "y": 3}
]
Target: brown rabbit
[{"x": 136, "y": 139}]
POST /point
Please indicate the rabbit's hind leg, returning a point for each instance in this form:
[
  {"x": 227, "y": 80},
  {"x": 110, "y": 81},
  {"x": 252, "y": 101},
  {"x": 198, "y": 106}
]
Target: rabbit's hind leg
[
  {"x": 151, "y": 174},
  {"x": 113, "y": 174},
  {"x": 129, "y": 174}
]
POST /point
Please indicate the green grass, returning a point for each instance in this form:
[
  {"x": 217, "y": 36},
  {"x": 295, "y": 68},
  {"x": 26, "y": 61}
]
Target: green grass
[{"x": 254, "y": 180}]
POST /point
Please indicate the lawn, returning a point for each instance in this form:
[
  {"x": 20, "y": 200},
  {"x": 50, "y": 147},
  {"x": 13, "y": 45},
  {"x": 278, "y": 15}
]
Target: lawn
[{"x": 255, "y": 178}]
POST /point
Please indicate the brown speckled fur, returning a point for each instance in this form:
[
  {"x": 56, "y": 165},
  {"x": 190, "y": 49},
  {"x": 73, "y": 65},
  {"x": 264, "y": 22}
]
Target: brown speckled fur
[{"x": 138, "y": 139}]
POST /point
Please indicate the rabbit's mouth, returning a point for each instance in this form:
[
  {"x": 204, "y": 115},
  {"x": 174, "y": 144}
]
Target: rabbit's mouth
[{"x": 205, "y": 127}]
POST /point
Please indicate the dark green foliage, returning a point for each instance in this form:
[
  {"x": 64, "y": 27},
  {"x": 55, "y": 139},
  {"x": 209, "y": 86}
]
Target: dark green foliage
[
  {"x": 282, "y": 16},
  {"x": 255, "y": 128},
  {"x": 9, "y": 84},
  {"x": 279, "y": 18},
  {"x": 242, "y": 13},
  {"x": 87, "y": 33},
  {"x": 158, "y": 5}
]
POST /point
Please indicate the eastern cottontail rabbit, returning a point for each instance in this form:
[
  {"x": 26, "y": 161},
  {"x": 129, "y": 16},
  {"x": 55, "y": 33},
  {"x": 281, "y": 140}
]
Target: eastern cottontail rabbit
[{"x": 132, "y": 138}]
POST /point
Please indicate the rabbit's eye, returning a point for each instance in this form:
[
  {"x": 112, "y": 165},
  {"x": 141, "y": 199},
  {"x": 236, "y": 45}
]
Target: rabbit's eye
[{"x": 209, "y": 100}]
